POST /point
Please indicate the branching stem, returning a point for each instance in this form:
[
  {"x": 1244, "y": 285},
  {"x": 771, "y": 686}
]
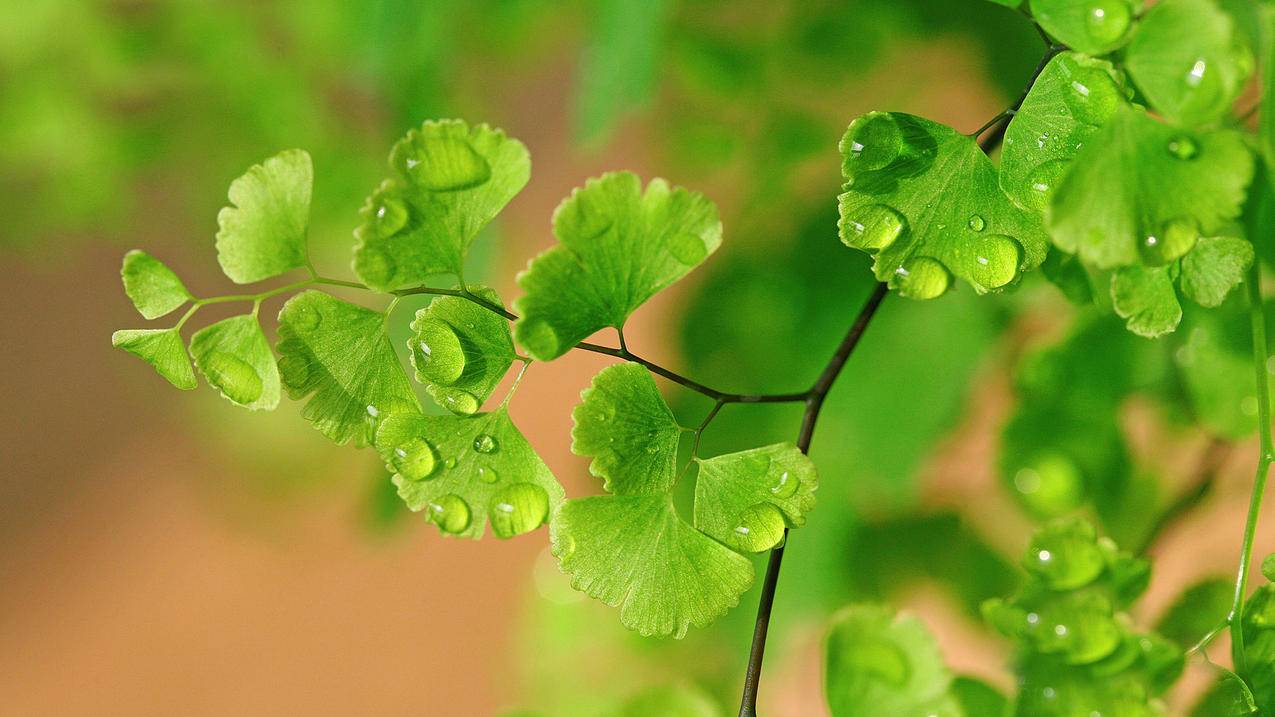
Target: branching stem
[{"x": 1257, "y": 318}]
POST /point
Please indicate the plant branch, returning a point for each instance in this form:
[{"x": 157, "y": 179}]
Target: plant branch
[
  {"x": 1257, "y": 318},
  {"x": 1000, "y": 122},
  {"x": 814, "y": 404}
]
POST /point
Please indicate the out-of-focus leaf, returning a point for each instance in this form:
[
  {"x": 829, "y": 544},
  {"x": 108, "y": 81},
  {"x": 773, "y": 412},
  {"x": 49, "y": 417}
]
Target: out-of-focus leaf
[{"x": 618, "y": 70}]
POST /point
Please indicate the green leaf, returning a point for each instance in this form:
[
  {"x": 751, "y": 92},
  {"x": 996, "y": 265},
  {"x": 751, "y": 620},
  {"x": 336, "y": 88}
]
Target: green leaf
[
  {"x": 1216, "y": 368},
  {"x": 925, "y": 201},
  {"x": 235, "y": 358},
  {"x": 1214, "y": 267},
  {"x": 1268, "y": 567},
  {"x": 461, "y": 350},
  {"x": 880, "y": 665},
  {"x": 152, "y": 287},
  {"x": 263, "y": 233},
  {"x": 1143, "y": 188},
  {"x": 634, "y": 552},
  {"x": 341, "y": 354},
  {"x": 468, "y": 471},
  {"x": 1229, "y": 697},
  {"x": 746, "y": 499},
  {"x": 624, "y": 424},
  {"x": 679, "y": 701},
  {"x": 1008, "y": 3},
  {"x": 449, "y": 181},
  {"x": 979, "y": 699},
  {"x": 1199, "y": 610},
  {"x": 1094, "y": 27},
  {"x": 162, "y": 349},
  {"x": 1259, "y": 647},
  {"x": 618, "y": 69},
  {"x": 1187, "y": 60},
  {"x": 1145, "y": 298},
  {"x": 618, "y": 248},
  {"x": 1068, "y": 104}
]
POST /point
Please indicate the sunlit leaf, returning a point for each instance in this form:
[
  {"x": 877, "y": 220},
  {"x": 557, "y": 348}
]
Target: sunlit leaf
[
  {"x": 152, "y": 287},
  {"x": 263, "y": 233},
  {"x": 1094, "y": 27},
  {"x": 341, "y": 354},
  {"x": 235, "y": 358},
  {"x": 925, "y": 201},
  {"x": 461, "y": 350},
  {"x": 618, "y": 246},
  {"x": 450, "y": 180},
  {"x": 467, "y": 472},
  {"x": 163, "y": 349},
  {"x": 746, "y": 499},
  {"x": 1145, "y": 298}
]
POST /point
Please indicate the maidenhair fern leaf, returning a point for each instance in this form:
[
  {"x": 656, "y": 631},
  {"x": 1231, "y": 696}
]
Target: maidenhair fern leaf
[
  {"x": 465, "y": 472},
  {"x": 263, "y": 233},
  {"x": 450, "y": 180},
  {"x": 461, "y": 350},
  {"x": 746, "y": 499},
  {"x": 341, "y": 354},
  {"x": 618, "y": 247},
  {"x": 1144, "y": 297},
  {"x": 163, "y": 350},
  {"x": 1094, "y": 27},
  {"x": 925, "y": 201},
  {"x": 235, "y": 358},
  {"x": 152, "y": 287}
]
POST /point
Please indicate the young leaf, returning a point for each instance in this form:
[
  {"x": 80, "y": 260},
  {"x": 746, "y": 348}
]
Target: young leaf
[
  {"x": 880, "y": 665},
  {"x": 1196, "y": 612},
  {"x": 1259, "y": 647},
  {"x": 466, "y": 472},
  {"x": 1214, "y": 267},
  {"x": 163, "y": 350},
  {"x": 1143, "y": 188},
  {"x": 634, "y": 552},
  {"x": 628, "y": 429},
  {"x": 235, "y": 358},
  {"x": 746, "y": 499},
  {"x": 618, "y": 247},
  {"x": 461, "y": 350},
  {"x": 340, "y": 353},
  {"x": 263, "y": 233},
  {"x": 1070, "y": 101},
  {"x": 450, "y": 180},
  {"x": 1094, "y": 27},
  {"x": 1145, "y": 298},
  {"x": 152, "y": 287},
  {"x": 1188, "y": 61},
  {"x": 925, "y": 201}
]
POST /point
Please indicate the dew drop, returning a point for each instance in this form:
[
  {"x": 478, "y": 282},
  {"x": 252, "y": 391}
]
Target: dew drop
[
  {"x": 517, "y": 509},
  {"x": 1183, "y": 147},
  {"x": 538, "y": 336},
  {"x": 921, "y": 278},
  {"x": 484, "y": 443},
  {"x": 375, "y": 266},
  {"x": 487, "y": 474},
  {"x": 445, "y": 164},
  {"x": 1066, "y": 555},
  {"x": 301, "y": 316},
  {"x": 871, "y": 142},
  {"x": 389, "y": 217},
  {"x": 414, "y": 460},
  {"x": 1108, "y": 20},
  {"x": 1195, "y": 76},
  {"x": 457, "y": 401},
  {"x": 977, "y": 223},
  {"x": 687, "y": 248},
  {"x": 437, "y": 352},
  {"x": 760, "y": 527},
  {"x": 450, "y": 462},
  {"x": 1172, "y": 241},
  {"x": 785, "y": 485},
  {"x": 578, "y": 219},
  {"x": 996, "y": 260},
  {"x": 232, "y": 376},
  {"x": 873, "y": 228},
  {"x": 1092, "y": 95},
  {"x": 450, "y": 513},
  {"x": 1042, "y": 182}
]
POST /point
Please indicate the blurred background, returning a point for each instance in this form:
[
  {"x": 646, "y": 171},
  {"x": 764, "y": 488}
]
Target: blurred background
[{"x": 167, "y": 553}]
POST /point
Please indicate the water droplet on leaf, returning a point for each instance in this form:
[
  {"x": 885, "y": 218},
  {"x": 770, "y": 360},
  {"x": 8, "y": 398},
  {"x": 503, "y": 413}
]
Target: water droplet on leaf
[
  {"x": 996, "y": 260},
  {"x": 301, "y": 316},
  {"x": 414, "y": 460},
  {"x": 1042, "y": 182},
  {"x": 785, "y": 485},
  {"x": 375, "y": 266},
  {"x": 1172, "y": 241},
  {"x": 1183, "y": 147},
  {"x": 874, "y": 228},
  {"x": 921, "y": 278},
  {"x": 232, "y": 376},
  {"x": 1108, "y": 20},
  {"x": 760, "y": 527},
  {"x": 458, "y": 401},
  {"x": 977, "y": 223},
  {"x": 437, "y": 352},
  {"x": 687, "y": 248},
  {"x": 390, "y": 216},
  {"x": 1066, "y": 555},
  {"x": 517, "y": 509},
  {"x": 487, "y": 474},
  {"x": 445, "y": 164},
  {"x": 450, "y": 513},
  {"x": 872, "y": 141},
  {"x": 538, "y": 336},
  {"x": 483, "y": 443},
  {"x": 1092, "y": 96}
]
